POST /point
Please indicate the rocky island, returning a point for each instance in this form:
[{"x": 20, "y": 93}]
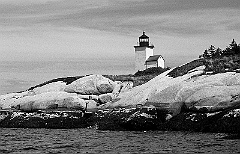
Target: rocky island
[{"x": 202, "y": 95}]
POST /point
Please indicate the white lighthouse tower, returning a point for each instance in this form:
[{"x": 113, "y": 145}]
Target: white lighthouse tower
[{"x": 142, "y": 52}]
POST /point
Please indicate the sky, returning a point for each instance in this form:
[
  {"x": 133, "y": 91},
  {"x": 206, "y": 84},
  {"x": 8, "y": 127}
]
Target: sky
[{"x": 62, "y": 30}]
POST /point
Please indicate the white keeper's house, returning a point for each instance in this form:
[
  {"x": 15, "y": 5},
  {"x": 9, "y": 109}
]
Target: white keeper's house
[{"x": 144, "y": 55}]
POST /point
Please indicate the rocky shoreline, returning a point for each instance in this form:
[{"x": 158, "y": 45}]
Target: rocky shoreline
[
  {"x": 185, "y": 98},
  {"x": 133, "y": 119}
]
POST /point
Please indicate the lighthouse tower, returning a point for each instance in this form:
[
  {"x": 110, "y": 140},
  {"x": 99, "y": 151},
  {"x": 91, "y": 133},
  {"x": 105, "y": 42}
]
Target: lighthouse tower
[{"x": 142, "y": 52}]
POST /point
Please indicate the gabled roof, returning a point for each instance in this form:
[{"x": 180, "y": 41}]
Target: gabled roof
[{"x": 153, "y": 58}]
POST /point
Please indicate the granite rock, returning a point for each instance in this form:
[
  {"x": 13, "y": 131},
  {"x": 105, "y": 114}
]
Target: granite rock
[
  {"x": 91, "y": 85},
  {"x": 193, "y": 89}
]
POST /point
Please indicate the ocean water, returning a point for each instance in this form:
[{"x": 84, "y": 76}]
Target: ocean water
[
  {"x": 72, "y": 141},
  {"x": 20, "y": 75}
]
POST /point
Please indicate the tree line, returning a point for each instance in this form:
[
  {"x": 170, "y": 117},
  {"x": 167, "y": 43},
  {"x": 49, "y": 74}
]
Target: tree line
[{"x": 213, "y": 52}]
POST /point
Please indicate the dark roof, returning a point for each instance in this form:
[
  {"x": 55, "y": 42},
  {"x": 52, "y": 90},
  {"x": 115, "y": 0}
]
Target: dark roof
[
  {"x": 153, "y": 58},
  {"x": 143, "y": 35}
]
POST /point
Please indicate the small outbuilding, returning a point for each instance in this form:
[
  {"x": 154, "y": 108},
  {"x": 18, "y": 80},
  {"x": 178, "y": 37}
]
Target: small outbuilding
[{"x": 154, "y": 61}]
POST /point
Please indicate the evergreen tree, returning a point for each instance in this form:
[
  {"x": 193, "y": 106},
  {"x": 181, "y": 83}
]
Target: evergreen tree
[
  {"x": 217, "y": 53},
  {"x": 209, "y": 53},
  {"x": 213, "y": 52},
  {"x": 232, "y": 49}
]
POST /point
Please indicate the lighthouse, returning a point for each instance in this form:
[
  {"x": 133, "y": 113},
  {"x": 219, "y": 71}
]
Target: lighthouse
[{"x": 144, "y": 55}]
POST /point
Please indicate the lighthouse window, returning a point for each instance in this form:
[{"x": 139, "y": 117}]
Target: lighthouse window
[{"x": 144, "y": 40}]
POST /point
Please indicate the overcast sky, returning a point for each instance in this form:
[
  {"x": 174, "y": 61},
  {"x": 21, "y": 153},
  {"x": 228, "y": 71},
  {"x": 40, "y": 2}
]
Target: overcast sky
[{"x": 74, "y": 29}]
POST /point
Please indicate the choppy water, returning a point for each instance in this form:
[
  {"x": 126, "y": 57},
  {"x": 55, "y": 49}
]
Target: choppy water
[{"x": 56, "y": 141}]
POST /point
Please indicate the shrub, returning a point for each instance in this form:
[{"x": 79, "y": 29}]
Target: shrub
[{"x": 151, "y": 71}]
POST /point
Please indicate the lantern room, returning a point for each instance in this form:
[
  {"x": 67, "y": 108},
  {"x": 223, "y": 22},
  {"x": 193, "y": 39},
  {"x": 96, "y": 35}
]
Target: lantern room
[{"x": 144, "y": 40}]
